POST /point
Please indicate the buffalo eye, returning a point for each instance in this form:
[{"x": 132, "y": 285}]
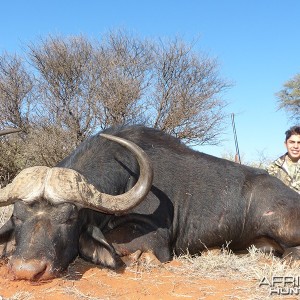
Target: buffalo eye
[
  {"x": 71, "y": 220},
  {"x": 67, "y": 214}
]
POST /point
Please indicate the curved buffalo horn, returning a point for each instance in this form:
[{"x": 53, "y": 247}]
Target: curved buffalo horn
[
  {"x": 59, "y": 185},
  {"x": 141, "y": 189},
  {"x": 10, "y": 130},
  {"x": 66, "y": 185}
]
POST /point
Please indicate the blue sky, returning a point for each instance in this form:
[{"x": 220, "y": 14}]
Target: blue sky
[{"x": 256, "y": 43}]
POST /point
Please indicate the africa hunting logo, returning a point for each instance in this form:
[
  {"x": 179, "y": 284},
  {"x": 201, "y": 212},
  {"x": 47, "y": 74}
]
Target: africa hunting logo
[{"x": 282, "y": 285}]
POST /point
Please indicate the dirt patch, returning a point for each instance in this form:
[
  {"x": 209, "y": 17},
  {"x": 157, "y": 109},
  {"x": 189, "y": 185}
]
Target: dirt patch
[
  {"x": 85, "y": 281},
  {"x": 173, "y": 280}
]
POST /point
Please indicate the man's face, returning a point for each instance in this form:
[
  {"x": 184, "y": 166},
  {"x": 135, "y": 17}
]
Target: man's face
[{"x": 293, "y": 147}]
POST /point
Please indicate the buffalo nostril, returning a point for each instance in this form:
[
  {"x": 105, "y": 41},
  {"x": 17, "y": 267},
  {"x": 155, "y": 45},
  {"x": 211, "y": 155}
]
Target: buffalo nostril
[{"x": 30, "y": 269}]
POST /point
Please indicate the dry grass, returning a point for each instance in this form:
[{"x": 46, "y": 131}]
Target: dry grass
[
  {"x": 225, "y": 265},
  {"x": 214, "y": 265},
  {"x": 21, "y": 296},
  {"x": 253, "y": 265}
]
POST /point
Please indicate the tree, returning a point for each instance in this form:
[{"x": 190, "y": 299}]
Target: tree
[
  {"x": 186, "y": 99},
  {"x": 125, "y": 66},
  {"x": 67, "y": 85},
  {"x": 289, "y": 97},
  {"x": 16, "y": 92},
  {"x": 66, "y": 88}
]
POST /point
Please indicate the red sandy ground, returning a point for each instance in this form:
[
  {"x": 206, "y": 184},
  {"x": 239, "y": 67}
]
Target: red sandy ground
[{"x": 86, "y": 281}]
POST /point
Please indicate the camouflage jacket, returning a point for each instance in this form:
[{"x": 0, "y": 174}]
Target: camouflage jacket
[{"x": 287, "y": 171}]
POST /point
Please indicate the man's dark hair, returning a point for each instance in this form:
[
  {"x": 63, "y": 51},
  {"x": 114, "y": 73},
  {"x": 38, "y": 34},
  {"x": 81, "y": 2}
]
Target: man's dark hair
[{"x": 293, "y": 130}]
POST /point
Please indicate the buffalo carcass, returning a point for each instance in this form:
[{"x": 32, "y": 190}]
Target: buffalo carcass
[{"x": 196, "y": 201}]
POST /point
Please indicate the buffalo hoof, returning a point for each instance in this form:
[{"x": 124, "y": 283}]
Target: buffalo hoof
[{"x": 147, "y": 258}]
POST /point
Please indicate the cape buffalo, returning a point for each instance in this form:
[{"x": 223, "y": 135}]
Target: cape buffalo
[{"x": 196, "y": 201}]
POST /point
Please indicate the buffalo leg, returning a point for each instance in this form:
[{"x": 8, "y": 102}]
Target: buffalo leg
[{"x": 154, "y": 242}]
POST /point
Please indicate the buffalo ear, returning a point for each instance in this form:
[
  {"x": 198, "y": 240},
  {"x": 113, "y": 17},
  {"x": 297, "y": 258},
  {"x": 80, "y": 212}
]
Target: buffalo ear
[
  {"x": 94, "y": 248},
  {"x": 7, "y": 239}
]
